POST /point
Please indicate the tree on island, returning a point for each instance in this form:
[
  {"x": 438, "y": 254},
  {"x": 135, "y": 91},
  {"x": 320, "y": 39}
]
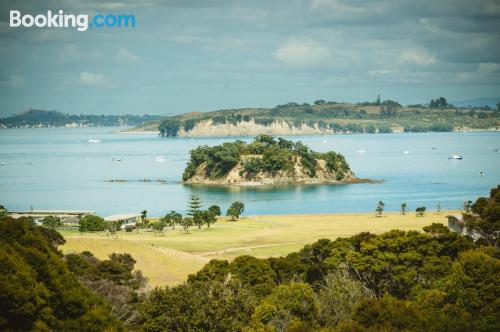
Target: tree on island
[
  {"x": 235, "y": 210},
  {"x": 194, "y": 205},
  {"x": 215, "y": 209},
  {"x": 404, "y": 208},
  {"x": 379, "y": 209}
]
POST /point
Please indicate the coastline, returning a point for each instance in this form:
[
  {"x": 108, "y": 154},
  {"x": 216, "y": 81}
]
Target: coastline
[{"x": 260, "y": 184}]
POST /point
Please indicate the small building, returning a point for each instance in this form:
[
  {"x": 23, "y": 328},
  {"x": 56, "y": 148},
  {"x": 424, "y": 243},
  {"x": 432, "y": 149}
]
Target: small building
[
  {"x": 68, "y": 217},
  {"x": 129, "y": 220}
]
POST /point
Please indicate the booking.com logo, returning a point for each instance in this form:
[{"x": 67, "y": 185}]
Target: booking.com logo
[{"x": 60, "y": 20}]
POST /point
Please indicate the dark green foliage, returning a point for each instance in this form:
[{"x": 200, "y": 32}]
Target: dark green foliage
[
  {"x": 194, "y": 205},
  {"x": 439, "y": 103},
  {"x": 91, "y": 223},
  {"x": 235, "y": 210},
  {"x": 199, "y": 306},
  {"x": 52, "y": 222},
  {"x": 264, "y": 154},
  {"x": 215, "y": 210},
  {"x": 170, "y": 127},
  {"x": 114, "y": 281},
  {"x": 483, "y": 218},
  {"x": 34, "y": 117},
  {"x": 38, "y": 292}
]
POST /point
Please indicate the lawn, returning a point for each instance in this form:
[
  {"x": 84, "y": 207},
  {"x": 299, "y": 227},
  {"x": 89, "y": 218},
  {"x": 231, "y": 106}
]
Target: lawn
[{"x": 169, "y": 259}]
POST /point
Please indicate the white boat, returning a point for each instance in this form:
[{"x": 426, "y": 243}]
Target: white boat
[
  {"x": 455, "y": 157},
  {"x": 406, "y": 152},
  {"x": 116, "y": 159},
  {"x": 361, "y": 151},
  {"x": 2, "y": 163},
  {"x": 160, "y": 159},
  {"x": 94, "y": 140}
]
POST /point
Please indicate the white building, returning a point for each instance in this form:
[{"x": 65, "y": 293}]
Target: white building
[{"x": 127, "y": 219}]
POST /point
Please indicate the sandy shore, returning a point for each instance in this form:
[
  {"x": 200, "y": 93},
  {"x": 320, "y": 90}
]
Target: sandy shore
[{"x": 169, "y": 259}]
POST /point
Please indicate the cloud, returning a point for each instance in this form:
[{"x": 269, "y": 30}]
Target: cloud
[
  {"x": 302, "y": 53},
  {"x": 15, "y": 82},
  {"x": 93, "y": 79},
  {"x": 125, "y": 56},
  {"x": 417, "y": 56}
]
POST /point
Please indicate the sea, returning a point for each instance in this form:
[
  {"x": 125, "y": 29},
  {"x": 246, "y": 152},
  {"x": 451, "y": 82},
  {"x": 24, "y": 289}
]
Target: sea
[{"x": 101, "y": 170}]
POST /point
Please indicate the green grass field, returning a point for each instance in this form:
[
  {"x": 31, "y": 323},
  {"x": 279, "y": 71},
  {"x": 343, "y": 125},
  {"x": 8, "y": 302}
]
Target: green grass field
[{"x": 169, "y": 259}]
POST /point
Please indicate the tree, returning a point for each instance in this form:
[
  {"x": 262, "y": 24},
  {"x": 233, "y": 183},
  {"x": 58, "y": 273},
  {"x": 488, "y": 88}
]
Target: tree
[
  {"x": 39, "y": 293},
  {"x": 404, "y": 208},
  {"x": 498, "y": 107},
  {"x": 198, "y": 219},
  {"x": 158, "y": 227},
  {"x": 194, "y": 205},
  {"x": 91, "y": 223},
  {"x": 235, "y": 210},
  {"x": 186, "y": 223},
  {"x": 483, "y": 218},
  {"x": 420, "y": 211},
  {"x": 52, "y": 222},
  {"x": 215, "y": 209},
  {"x": 144, "y": 215},
  {"x": 339, "y": 297},
  {"x": 171, "y": 219},
  {"x": 379, "y": 209},
  {"x": 208, "y": 218},
  {"x": 287, "y": 304},
  {"x": 3, "y": 211}
]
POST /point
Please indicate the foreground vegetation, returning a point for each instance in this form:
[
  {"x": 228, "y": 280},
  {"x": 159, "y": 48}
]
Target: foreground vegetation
[
  {"x": 332, "y": 117},
  {"x": 395, "y": 281}
]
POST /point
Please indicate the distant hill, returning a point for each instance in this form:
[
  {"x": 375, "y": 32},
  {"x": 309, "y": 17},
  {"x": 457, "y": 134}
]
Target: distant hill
[
  {"x": 478, "y": 102},
  {"x": 42, "y": 118},
  {"x": 326, "y": 117}
]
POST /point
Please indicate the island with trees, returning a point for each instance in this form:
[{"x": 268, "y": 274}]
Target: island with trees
[
  {"x": 329, "y": 117},
  {"x": 266, "y": 161}
]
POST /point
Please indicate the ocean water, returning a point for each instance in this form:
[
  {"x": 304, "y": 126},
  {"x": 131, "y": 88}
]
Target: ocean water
[{"x": 57, "y": 168}]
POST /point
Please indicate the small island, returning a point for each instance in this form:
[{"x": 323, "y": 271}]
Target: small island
[{"x": 266, "y": 161}]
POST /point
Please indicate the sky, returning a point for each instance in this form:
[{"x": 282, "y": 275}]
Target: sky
[{"x": 185, "y": 56}]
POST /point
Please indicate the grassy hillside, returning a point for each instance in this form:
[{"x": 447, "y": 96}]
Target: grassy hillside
[
  {"x": 169, "y": 259},
  {"x": 331, "y": 118}
]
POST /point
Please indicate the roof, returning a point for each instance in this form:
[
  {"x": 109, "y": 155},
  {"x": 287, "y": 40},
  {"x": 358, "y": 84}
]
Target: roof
[{"x": 123, "y": 216}]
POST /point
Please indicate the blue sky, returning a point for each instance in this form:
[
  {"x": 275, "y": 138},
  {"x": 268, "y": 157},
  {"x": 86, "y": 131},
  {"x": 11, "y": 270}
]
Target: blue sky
[{"x": 185, "y": 56}]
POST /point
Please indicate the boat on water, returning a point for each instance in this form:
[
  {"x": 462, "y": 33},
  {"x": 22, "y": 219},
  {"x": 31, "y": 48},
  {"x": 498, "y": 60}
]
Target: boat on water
[
  {"x": 160, "y": 159},
  {"x": 2, "y": 163},
  {"x": 94, "y": 140},
  {"x": 116, "y": 159},
  {"x": 361, "y": 151},
  {"x": 455, "y": 157},
  {"x": 406, "y": 152}
]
